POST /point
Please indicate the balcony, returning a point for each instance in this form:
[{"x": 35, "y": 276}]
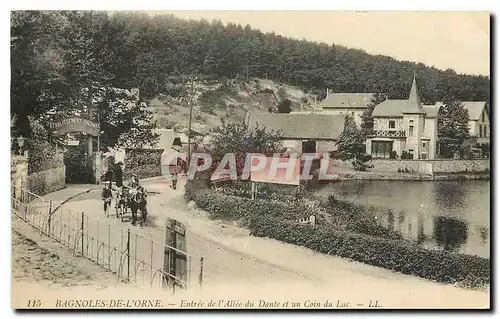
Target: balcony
[{"x": 387, "y": 133}]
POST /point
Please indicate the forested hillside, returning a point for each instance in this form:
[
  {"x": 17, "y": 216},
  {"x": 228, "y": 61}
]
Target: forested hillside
[
  {"x": 148, "y": 50},
  {"x": 158, "y": 53}
]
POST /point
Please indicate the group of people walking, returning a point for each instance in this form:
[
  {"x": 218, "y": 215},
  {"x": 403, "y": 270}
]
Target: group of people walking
[{"x": 116, "y": 176}]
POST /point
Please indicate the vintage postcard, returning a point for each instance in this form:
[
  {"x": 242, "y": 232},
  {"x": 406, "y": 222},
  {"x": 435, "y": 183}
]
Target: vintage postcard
[{"x": 250, "y": 160}]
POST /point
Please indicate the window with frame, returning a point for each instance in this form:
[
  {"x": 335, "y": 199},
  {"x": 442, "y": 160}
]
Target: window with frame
[
  {"x": 482, "y": 117},
  {"x": 410, "y": 133},
  {"x": 392, "y": 124}
]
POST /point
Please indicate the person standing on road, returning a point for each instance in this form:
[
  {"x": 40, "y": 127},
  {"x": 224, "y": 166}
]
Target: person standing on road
[
  {"x": 108, "y": 177},
  {"x": 134, "y": 182},
  {"x": 107, "y": 196},
  {"x": 119, "y": 175},
  {"x": 175, "y": 171}
]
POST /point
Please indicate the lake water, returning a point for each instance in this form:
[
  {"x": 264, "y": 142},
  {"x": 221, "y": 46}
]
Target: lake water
[{"x": 451, "y": 215}]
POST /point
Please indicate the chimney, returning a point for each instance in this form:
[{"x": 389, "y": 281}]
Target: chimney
[{"x": 327, "y": 92}]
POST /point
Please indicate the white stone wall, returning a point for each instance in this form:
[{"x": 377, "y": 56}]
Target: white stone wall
[
  {"x": 295, "y": 146},
  {"x": 326, "y": 146},
  {"x": 473, "y": 128},
  {"x": 18, "y": 174},
  {"x": 413, "y": 142},
  {"x": 321, "y": 146},
  {"x": 430, "y": 130},
  {"x": 438, "y": 166},
  {"x": 355, "y": 112},
  {"x": 47, "y": 181}
]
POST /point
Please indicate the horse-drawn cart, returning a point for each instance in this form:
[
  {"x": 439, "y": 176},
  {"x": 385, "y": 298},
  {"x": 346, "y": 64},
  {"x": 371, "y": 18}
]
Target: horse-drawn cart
[{"x": 133, "y": 200}]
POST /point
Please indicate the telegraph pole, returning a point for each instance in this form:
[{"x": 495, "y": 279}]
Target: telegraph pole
[{"x": 191, "y": 102}]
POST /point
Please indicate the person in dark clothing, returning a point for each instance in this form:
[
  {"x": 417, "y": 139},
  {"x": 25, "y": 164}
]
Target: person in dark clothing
[
  {"x": 107, "y": 196},
  {"x": 119, "y": 175},
  {"x": 108, "y": 177}
]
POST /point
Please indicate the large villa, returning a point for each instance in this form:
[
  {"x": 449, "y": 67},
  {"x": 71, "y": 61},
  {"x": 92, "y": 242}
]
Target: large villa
[{"x": 404, "y": 126}]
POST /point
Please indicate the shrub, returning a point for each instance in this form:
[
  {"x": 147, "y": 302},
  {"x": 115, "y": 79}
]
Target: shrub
[
  {"x": 395, "y": 255},
  {"x": 358, "y": 218},
  {"x": 143, "y": 162},
  {"x": 231, "y": 207}
]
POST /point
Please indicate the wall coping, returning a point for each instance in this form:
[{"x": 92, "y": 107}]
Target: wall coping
[{"x": 430, "y": 160}]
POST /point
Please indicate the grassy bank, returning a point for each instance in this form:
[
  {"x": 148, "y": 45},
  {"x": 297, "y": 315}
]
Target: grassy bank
[{"x": 342, "y": 229}]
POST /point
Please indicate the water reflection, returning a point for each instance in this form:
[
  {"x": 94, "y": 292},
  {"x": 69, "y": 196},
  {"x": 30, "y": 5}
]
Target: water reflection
[
  {"x": 449, "y": 197},
  {"x": 390, "y": 220},
  {"x": 439, "y": 215},
  {"x": 450, "y": 233},
  {"x": 483, "y": 232}
]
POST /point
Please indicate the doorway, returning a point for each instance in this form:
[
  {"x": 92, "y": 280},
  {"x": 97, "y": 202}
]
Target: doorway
[{"x": 308, "y": 146}]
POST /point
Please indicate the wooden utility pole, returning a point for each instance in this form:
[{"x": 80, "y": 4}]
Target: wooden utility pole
[{"x": 191, "y": 102}]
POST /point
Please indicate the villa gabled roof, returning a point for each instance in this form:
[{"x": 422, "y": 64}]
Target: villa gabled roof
[
  {"x": 392, "y": 108},
  {"x": 301, "y": 126},
  {"x": 351, "y": 100},
  {"x": 389, "y": 108},
  {"x": 432, "y": 111},
  {"x": 475, "y": 109}
]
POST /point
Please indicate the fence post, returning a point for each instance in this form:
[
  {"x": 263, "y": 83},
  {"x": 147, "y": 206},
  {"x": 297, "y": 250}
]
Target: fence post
[
  {"x": 201, "y": 272},
  {"x": 82, "y": 228},
  {"x": 50, "y": 218},
  {"x": 128, "y": 254}
]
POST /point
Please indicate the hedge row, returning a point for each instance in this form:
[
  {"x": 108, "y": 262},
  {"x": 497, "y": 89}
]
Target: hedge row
[
  {"x": 345, "y": 215},
  {"x": 274, "y": 220},
  {"x": 396, "y": 255},
  {"x": 223, "y": 206}
]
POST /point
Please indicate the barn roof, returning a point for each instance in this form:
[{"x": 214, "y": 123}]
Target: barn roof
[{"x": 301, "y": 126}]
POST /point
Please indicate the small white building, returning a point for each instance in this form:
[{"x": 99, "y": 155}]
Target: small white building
[
  {"x": 303, "y": 133},
  {"x": 404, "y": 126},
  {"x": 479, "y": 122}
]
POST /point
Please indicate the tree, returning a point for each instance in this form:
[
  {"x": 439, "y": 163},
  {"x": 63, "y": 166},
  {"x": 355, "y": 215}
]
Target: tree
[
  {"x": 241, "y": 140},
  {"x": 42, "y": 155},
  {"x": 285, "y": 106},
  {"x": 35, "y": 65},
  {"x": 453, "y": 128},
  {"x": 366, "y": 117},
  {"x": 125, "y": 120},
  {"x": 64, "y": 67},
  {"x": 350, "y": 146}
]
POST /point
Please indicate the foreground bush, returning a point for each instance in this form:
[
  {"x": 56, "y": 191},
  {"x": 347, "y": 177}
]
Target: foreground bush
[
  {"x": 223, "y": 206},
  {"x": 359, "y": 218},
  {"x": 396, "y": 255}
]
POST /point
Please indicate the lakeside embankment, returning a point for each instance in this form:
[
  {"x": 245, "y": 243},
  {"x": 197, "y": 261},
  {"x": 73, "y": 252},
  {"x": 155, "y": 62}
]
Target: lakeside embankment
[{"x": 417, "y": 170}]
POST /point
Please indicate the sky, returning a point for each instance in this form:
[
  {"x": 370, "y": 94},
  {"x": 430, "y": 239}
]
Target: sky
[{"x": 456, "y": 40}]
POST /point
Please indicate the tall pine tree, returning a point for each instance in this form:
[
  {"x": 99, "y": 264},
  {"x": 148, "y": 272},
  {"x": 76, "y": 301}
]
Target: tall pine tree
[
  {"x": 453, "y": 128},
  {"x": 351, "y": 147},
  {"x": 366, "y": 117}
]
